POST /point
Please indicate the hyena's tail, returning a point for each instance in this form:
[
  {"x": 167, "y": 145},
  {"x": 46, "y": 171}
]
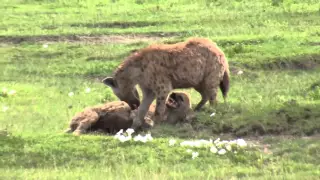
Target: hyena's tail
[{"x": 224, "y": 84}]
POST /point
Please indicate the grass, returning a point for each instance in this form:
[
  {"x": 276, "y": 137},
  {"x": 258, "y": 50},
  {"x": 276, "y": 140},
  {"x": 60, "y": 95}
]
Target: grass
[
  {"x": 62, "y": 157},
  {"x": 275, "y": 44}
]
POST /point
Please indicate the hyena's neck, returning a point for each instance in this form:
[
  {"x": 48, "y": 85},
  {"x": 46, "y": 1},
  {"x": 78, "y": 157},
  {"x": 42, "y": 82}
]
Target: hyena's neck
[{"x": 130, "y": 74}]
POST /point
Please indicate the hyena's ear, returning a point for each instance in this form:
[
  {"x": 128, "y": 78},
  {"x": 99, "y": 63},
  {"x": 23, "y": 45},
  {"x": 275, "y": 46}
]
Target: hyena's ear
[{"x": 109, "y": 81}]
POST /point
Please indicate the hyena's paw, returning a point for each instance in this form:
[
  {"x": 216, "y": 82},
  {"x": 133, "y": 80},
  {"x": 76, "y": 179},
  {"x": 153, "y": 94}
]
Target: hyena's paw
[
  {"x": 148, "y": 123},
  {"x": 77, "y": 132},
  {"x": 69, "y": 130}
]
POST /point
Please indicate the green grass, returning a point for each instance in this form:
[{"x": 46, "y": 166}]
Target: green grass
[
  {"x": 62, "y": 157},
  {"x": 275, "y": 43}
]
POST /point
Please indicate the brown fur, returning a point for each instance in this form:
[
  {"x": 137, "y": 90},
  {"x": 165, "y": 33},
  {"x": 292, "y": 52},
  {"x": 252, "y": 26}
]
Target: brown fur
[
  {"x": 182, "y": 112},
  {"x": 158, "y": 69},
  {"x": 118, "y": 112},
  {"x": 114, "y": 116},
  {"x": 178, "y": 109}
]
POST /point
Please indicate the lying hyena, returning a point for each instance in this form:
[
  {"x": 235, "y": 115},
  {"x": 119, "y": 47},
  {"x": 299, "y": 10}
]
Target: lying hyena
[
  {"x": 114, "y": 116},
  {"x": 158, "y": 69},
  {"x": 117, "y": 111},
  {"x": 178, "y": 109}
]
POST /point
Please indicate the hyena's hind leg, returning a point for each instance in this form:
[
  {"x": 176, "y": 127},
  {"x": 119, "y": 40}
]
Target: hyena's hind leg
[
  {"x": 204, "y": 98},
  {"x": 69, "y": 130},
  {"x": 89, "y": 118},
  {"x": 208, "y": 91},
  {"x": 212, "y": 91},
  {"x": 213, "y": 97},
  {"x": 73, "y": 125}
]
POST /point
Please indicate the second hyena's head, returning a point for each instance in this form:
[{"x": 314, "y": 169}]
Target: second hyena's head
[
  {"x": 179, "y": 108},
  {"x": 124, "y": 92},
  {"x": 179, "y": 100}
]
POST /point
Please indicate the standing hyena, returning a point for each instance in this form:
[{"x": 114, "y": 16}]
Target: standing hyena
[{"x": 158, "y": 69}]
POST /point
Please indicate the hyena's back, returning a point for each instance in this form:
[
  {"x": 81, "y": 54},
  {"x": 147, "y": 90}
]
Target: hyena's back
[{"x": 185, "y": 64}]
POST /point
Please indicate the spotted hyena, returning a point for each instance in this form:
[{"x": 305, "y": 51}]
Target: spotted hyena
[
  {"x": 118, "y": 113},
  {"x": 114, "y": 116},
  {"x": 158, "y": 69},
  {"x": 178, "y": 110}
]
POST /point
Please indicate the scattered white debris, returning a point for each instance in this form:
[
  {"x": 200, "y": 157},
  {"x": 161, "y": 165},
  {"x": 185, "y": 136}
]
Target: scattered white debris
[
  {"x": 123, "y": 138},
  {"x": 213, "y": 149},
  {"x": 148, "y": 137},
  {"x": 12, "y": 92},
  {"x": 172, "y": 142},
  {"x": 6, "y": 92},
  {"x": 4, "y": 89},
  {"x": 196, "y": 143},
  {"x": 216, "y": 141},
  {"x": 117, "y": 136},
  {"x": 194, "y": 155},
  {"x": 129, "y": 131},
  {"x": 221, "y": 143},
  {"x": 241, "y": 143},
  {"x": 88, "y": 90},
  {"x": 143, "y": 139},
  {"x": 222, "y": 151},
  {"x": 5, "y": 108},
  {"x": 138, "y": 138},
  {"x": 239, "y": 72},
  {"x": 220, "y": 147},
  {"x": 70, "y": 94},
  {"x": 228, "y": 147},
  {"x": 120, "y": 132}
]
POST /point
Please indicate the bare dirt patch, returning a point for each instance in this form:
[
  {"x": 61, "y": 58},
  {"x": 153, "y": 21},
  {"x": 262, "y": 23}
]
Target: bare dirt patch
[
  {"x": 118, "y": 24},
  {"x": 299, "y": 62},
  {"x": 89, "y": 39},
  {"x": 312, "y": 43}
]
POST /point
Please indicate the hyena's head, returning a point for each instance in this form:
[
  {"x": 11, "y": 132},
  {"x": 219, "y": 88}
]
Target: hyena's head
[
  {"x": 179, "y": 100},
  {"x": 128, "y": 94},
  {"x": 179, "y": 108}
]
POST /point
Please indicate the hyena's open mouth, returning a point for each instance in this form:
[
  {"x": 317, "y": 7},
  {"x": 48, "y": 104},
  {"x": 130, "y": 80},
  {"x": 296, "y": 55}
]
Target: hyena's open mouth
[{"x": 172, "y": 101}]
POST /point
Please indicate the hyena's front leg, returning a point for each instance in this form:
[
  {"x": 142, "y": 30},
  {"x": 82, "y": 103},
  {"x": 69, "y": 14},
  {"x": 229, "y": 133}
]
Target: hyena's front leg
[
  {"x": 160, "y": 114},
  {"x": 148, "y": 97}
]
